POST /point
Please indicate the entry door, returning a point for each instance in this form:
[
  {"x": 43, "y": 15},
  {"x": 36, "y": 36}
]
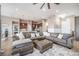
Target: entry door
[{"x": 77, "y": 28}]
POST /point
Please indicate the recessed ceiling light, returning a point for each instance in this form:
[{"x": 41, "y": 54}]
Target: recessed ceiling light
[
  {"x": 62, "y": 15},
  {"x": 17, "y": 9},
  {"x": 46, "y": 24},
  {"x": 57, "y": 11},
  {"x": 43, "y": 9}
]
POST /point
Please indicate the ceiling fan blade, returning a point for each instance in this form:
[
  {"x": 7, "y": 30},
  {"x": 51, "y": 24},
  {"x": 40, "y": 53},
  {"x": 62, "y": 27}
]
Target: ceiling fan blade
[
  {"x": 34, "y": 3},
  {"x": 57, "y": 3},
  {"x": 42, "y": 5},
  {"x": 48, "y": 4}
]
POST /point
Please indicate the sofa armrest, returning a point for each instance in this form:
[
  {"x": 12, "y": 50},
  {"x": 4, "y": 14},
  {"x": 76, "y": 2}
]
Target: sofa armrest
[
  {"x": 21, "y": 41},
  {"x": 70, "y": 41},
  {"x": 49, "y": 37},
  {"x": 38, "y": 38}
]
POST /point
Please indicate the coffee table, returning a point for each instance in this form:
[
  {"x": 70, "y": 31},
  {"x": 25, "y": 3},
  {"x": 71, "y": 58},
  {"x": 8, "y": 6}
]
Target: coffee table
[{"x": 42, "y": 45}]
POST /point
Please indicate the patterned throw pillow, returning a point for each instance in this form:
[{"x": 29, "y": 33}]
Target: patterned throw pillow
[{"x": 60, "y": 36}]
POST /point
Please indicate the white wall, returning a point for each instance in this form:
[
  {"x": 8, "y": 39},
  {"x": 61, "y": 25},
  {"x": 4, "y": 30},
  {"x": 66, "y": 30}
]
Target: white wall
[
  {"x": 66, "y": 26},
  {"x": 51, "y": 22},
  {"x": 72, "y": 20},
  {"x": 29, "y": 26},
  {"x": 44, "y": 27}
]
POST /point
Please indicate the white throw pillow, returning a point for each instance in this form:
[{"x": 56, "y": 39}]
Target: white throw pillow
[
  {"x": 37, "y": 34},
  {"x": 46, "y": 34},
  {"x": 60, "y": 36},
  {"x": 32, "y": 34},
  {"x": 21, "y": 36}
]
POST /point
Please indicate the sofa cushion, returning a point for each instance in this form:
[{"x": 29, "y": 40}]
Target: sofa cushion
[
  {"x": 21, "y": 42},
  {"x": 66, "y": 36},
  {"x": 57, "y": 40},
  {"x": 49, "y": 38},
  {"x": 38, "y": 38},
  {"x": 41, "y": 33},
  {"x": 54, "y": 35},
  {"x": 15, "y": 38},
  {"x": 26, "y": 35},
  {"x": 23, "y": 45}
]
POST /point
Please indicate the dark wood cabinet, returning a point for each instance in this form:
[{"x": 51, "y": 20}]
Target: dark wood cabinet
[
  {"x": 23, "y": 24},
  {"x": 36, "y": 25}
]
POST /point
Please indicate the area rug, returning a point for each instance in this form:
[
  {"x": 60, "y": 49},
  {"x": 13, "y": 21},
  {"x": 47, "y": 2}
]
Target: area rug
[{"x": 56, "y": 50}]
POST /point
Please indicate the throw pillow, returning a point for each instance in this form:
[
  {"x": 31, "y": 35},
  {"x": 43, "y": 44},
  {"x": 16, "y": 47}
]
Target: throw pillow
[
  {"x": 28, "y": 35},
  {"x": 41, "y": 33},
  {"x": 60, "y": 36},
  {"x": 15, "y": 38},
  {"x": 37, "y": 34},
  {"x": 32, "y": 34},
  {"x": 21, "y": 36},
  {"x": 24, "y": 33},
  {"x": 54, "y": 35},
  {"x": 46, "y": 34}
]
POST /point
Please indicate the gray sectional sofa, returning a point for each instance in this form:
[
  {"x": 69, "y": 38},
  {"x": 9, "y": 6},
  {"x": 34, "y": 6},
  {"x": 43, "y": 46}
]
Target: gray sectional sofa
[
  {"x": 67, "y": 39},
  {"x": 26, "y": 45},
  {"x": 22, "y": 46}
]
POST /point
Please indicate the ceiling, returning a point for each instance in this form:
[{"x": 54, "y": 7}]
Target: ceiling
[{"x": 30, "y": 11}]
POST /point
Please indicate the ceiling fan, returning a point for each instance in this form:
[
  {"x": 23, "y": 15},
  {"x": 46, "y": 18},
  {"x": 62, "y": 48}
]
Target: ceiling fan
[{"x": 48, "y": 5}]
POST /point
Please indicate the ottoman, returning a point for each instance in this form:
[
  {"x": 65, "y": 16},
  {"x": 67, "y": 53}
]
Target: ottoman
[{"x": 42, "y": 45}]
